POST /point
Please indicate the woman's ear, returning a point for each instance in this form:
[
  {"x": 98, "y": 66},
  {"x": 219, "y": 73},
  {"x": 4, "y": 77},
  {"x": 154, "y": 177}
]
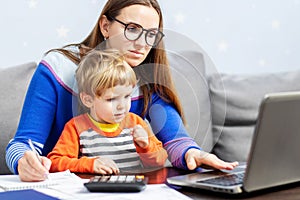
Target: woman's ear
[
  {"x": 86, "y": 99},
  {"x": 104, "y": 26}
]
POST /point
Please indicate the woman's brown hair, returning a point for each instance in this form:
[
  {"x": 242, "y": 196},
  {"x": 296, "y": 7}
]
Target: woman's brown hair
[{"x": 158, "y": 79}]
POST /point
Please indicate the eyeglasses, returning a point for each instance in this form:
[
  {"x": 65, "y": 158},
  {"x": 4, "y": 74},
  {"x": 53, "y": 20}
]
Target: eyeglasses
[{"x": 134, "y": 31}]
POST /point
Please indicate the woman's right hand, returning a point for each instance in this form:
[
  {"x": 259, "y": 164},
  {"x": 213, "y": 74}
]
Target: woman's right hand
[
  {"x": 31, "y": 168},
  {"x": 105, "y": 166}
]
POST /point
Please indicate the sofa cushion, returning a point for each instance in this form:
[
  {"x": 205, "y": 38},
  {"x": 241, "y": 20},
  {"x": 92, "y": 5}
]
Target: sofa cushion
[
  {"x": 235, "y": 103},
  {"x": 188, "y": 70},
  {"x": 13, "y": 86}
]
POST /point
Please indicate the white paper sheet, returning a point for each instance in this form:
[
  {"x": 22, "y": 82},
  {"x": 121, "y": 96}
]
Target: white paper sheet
[{"x": 76, "y": 191}]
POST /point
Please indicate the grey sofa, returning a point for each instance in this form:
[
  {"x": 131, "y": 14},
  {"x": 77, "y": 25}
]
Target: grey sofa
[
  {"x": 13, "y": 83},
  {"x": 221, "y": 109}
]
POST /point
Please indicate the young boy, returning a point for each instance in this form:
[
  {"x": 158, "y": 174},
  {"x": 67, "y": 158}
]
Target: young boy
[{"x": 107, "y": 138}]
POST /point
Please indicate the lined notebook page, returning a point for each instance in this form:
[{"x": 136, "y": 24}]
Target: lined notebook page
[{"x": 13, "y": 182}]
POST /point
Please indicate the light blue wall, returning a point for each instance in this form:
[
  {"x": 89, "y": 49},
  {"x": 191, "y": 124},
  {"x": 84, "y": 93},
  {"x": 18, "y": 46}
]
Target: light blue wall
[{"x": 240, "y": 36}]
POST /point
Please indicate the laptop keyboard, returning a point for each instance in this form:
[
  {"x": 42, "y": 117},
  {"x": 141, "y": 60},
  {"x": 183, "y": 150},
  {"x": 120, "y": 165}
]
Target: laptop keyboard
[{"x": 228, "y": 180}]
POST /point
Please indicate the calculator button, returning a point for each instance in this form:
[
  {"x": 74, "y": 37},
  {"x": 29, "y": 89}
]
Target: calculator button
[
  {"x": 121, "y": 178},
  {"x": 96, "y": 179},
  {"x": 104, "y": 178},
  {"x": 139, "y": 178},
  {"x": 130, "y": 178},
  {"x": 113, "y": 179}
]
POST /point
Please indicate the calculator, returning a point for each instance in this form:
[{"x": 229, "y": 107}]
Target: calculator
[{"x": 116, "y": 183}]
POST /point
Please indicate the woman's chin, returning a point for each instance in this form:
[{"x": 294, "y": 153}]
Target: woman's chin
[{"x": 133, "y": 62}]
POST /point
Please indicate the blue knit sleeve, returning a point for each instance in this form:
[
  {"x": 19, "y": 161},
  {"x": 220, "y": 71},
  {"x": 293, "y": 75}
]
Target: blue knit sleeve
[
  {"x": 168, "y": 127},
  {"x": 37, "y": 116}
]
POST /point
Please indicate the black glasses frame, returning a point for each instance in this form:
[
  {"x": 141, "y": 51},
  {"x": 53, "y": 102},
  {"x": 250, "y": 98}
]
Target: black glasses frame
[{"x": 158, "y": 36}]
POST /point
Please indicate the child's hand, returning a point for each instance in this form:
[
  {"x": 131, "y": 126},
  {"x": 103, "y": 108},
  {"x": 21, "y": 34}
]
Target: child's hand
[
  {"x": 105, "y": 166},
  {"x": 140, "y": 136}
]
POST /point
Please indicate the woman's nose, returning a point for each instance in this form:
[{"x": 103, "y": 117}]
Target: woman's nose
[{"x": 141, "y": 40}]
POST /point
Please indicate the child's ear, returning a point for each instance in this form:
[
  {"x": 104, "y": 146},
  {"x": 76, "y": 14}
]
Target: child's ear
[{"x": 86, "y": 99}]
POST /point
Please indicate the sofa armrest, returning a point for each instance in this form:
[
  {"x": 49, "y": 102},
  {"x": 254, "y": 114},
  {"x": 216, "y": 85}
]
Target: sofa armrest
[{"x": 13, "y": 86}]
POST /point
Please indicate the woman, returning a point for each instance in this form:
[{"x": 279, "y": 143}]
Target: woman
[{"x": 133, "y": 27}]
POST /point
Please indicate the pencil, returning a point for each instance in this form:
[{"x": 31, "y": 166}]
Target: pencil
[{"x": 36, "y": 153}]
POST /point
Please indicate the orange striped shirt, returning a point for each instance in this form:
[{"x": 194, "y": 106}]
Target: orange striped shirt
[{"x": 82, "y": 141}]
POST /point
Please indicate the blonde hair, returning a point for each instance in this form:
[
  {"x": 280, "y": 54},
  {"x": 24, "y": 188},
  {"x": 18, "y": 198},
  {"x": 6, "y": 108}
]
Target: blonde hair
[{"x": 103, "y": 69}]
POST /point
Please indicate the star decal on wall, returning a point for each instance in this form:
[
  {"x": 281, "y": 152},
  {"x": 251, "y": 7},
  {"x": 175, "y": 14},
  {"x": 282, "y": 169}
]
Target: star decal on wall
[
  {"x": 32, "y": 3},
  {"x": 179, "y": 18},
  {"x": 262, "y": 62},
  {"x": 62, "y": 31},
  {"x": 223, "y": 46},
  {"x": 275, "y": 24},
  {"x": 25, "y": 44}
]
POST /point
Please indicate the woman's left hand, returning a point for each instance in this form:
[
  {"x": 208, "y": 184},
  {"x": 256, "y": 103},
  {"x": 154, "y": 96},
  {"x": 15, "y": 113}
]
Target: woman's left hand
[{"x": 195, "y": 158}]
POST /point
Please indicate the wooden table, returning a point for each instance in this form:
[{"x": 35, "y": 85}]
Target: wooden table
[{"x": 157, "y": 176}]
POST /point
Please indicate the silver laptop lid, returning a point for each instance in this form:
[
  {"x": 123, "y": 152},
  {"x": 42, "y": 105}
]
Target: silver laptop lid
[{"x": 274, "y": 155}]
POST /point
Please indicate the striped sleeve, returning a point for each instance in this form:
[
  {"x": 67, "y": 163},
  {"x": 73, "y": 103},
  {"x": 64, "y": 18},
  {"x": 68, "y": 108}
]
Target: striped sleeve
[
  {"x": 168, "y": 127},
  {"x": 177, "y": 148},
  {"x": 15, "y": 151}
]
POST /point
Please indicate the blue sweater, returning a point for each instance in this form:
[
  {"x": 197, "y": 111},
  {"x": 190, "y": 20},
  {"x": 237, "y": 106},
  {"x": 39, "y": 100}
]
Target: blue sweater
[{"x": 51, "y": 101}]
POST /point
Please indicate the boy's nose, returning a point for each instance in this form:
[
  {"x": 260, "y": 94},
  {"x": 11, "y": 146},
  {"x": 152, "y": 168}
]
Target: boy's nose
[{"x": 120, "y": 106}]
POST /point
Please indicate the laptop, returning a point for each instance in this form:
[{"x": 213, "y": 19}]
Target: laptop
[{"x": 274, "y": 154}]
